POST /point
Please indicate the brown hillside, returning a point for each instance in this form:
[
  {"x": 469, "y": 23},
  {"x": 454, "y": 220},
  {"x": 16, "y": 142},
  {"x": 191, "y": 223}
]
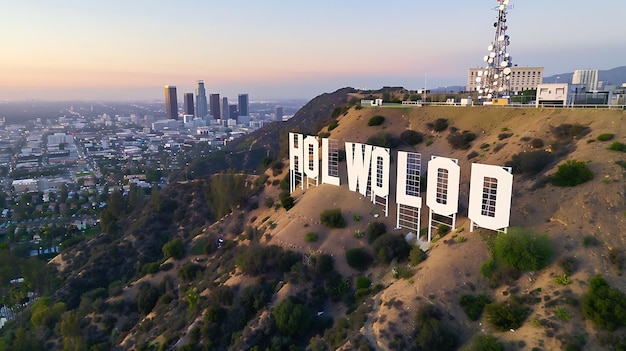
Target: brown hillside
[{"x": 596, "y": 208}]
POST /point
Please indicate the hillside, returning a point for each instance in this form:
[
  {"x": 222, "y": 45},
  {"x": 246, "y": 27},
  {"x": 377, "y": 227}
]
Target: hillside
[{"x": 217, "y": 263}]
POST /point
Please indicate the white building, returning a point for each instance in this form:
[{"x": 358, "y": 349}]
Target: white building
[
  {"x": 586, "y": 78},
  {"x": 522, "y": 78},
  {"x": 552, "y": 94}
]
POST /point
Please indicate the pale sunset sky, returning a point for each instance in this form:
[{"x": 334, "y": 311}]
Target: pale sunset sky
[{"x": 130, "y": 49}]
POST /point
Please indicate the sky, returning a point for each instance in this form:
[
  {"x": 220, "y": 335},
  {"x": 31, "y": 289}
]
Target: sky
[{"x": 130, "y": 49}]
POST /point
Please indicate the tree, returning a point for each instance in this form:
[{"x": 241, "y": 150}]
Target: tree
[
  {"x": 155, "y": 198},
  {"x": 604, "y": 305},
  {"x": 174, "y": 248},
  {"x": 71, "y": 333},
  {"x": 523, "y": 249},
  {"x": 292, "y": 318}
]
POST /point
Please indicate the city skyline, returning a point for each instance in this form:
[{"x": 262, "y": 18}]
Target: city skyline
[{"x": 114, "y": 50}]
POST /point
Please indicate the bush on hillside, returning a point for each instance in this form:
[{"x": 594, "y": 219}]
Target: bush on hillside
[
  {"x": 412, "y": 137},
  {"x": 333, "y": 124},
  {"x": 473, "y": 305},
  {"x": 287, "y": 202},
  {"x": 484, "y": 342},
  {"x": 571, "y": 173},
  {"x": 376, "y": 121},
  {"x": 522, "y": 249},
  {"x": 566, "y": 130},
  {"x": 358, "y": 258},
  {"x": 332, "y": 218},
  {"x": 292, "y": 318},
  {"x": 461, "y": 140},
  {"x": 506, "y": 315},
  {"x": 617, "y": 146},
  {"x": 431, "y": 332},
  {"x": 174, "y": 248},
  {"x": 391, "y": 246},
  {"x": 383, "y": 139},
  {"x": 439, "y": 125},
  {"x": 604, "y": 305},
  {"x": 417, "y": 256},
  {"x": 531, "y": 162},
  {"x": 605, "y": 137},
  {"x": 375, "y": 230},
  {"x": 310, "y": 237}
]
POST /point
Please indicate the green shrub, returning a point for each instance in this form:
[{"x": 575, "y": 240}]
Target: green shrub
[
  {"x": 412, "y": 137},
  {"x": 310, "y": 237},
  {"x": 506, "y": 315},
  {"x": 617, "y": 146},
  {"x": 332, "y": 218},
  {"x": 287, "y": 202},
  {"x": 383, "y": 139},
  {"x": 605, "y": 137},
  {"x": 390, "y": 246},
  {"x": 460, "y": 140},
  {"x": 523, "y": 249},
  {"x": 431, "y": 332},
  {"x": 174, "y": 248},
  {"x": 358, "y": 258},
  {"x": 484, "y": 342},
  {"x": 563, "y": 280},
  {"x": 590, "y": 240},
  {"x": 443, "y": 229},
  {"x": 439, "y": 125},
  {"x": 603, "y": 305},
  {"x": 504, "y": 135},
  {"x": 292, "y": 318},
  {"x": 375, "y": 230},
  {"x": 188, "y": 271},
  {"x": 417, "y": 256},
  {"x": 363, "y": 283},
  {"x": 333, "y": 124},
  {"x": 473, "y": 305},
  {"x": 488, "y": 268},
  {"x": 531, "y": 162},
  {"x": 376, "y": 121},
  {"x": 571, "y": 173},
  {"x": 562, "y": 314}
]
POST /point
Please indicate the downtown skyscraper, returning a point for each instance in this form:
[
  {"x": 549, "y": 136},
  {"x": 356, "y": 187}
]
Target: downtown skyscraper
[
  {"x": 171, "y": 102},
  {"x": 188, "y": 104},
  {"x": 214, "y": 101},
  {"x": 243, "y": 105},
  {"x": 201, "y": 103}
]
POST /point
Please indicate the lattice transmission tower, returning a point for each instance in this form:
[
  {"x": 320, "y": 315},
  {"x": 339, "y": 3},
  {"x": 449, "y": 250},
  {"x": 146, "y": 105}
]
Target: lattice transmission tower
[{"x": 495, "y": 80}]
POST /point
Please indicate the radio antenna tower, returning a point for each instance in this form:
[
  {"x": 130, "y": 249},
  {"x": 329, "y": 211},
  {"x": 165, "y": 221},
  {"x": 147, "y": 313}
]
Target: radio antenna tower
[{"x": 495, "y": 80}]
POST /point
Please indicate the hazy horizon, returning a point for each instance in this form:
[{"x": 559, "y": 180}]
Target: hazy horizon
[{"x": 115, "y": 50}]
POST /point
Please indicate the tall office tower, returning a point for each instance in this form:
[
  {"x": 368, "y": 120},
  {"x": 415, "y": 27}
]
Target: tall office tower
[
  {"x": 243, "y": 105},
  {"x": 279, "y": 112},
  {"x": 225, "y": 108},
  {"x": 214, "y": 102},
  {"x": 188, "y": 103},
  {"x": 233, "y": 111},
  {"x": 201, "y": 104},
  {"x": 171, "y": 103},
  {"x": 587, "y": 78}
]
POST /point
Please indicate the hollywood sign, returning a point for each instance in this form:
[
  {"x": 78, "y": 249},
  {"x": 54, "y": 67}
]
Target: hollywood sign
[{"x": 368, "y": 173}]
